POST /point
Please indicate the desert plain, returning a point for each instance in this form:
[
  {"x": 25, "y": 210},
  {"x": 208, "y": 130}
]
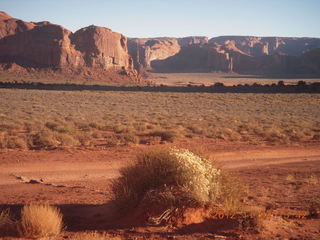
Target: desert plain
[
  {"x": 104, "y": 136},
  {"x": 66, "y": 147}
]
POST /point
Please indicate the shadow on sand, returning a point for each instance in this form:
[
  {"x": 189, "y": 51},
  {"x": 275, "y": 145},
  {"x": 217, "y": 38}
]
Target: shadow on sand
[{"x": 90, "y": 217}]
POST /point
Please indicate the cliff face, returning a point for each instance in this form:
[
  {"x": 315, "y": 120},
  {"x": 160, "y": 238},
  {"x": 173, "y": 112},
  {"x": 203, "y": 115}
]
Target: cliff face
[
  {"x": 46, "y": 45},
  {"x": 187, "y": 41},
  {"x": 262, "y": 46},
  {"x": 11, "y": 26},
  {"x": 99, "y": 50},
  {"x": 193, "y": 58},
  {"x": 250, "y": 55},
  {"x": 145, "y": 50},
  {"x": 41, "y": 47}
]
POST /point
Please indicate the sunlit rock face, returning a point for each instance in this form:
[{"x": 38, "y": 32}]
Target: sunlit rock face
[{"x": 46, "y": 45}]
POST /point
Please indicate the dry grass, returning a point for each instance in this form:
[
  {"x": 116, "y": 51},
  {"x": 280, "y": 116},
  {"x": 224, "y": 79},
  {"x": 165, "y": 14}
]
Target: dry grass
[
  {"x": 165, "y": 135},
  {"x": 174, "y": 178},
  {"x": 94, "y": 235},
  {"x": 40, "y": 221},
  {"x": 7, "y": 225},
  {"x": 52, "y": 119}
]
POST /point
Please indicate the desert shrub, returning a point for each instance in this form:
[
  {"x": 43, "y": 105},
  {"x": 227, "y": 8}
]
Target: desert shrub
[
  {"x": 12, "y": 142},
  {"x": 3, "y": 143},
  {"x": 94, "y": 125},
  {"x": 127, "y": 138},
  {"x": 166, "y": 135},
  {"x": 84, "y": 138},
  {"x": 196, "y": 129},
  {"x": 176, "y": 176},
  {"x": 112, "y": 141},
  {"x": 44, "y": 139},
  {"x": 66, "y": 140},
  {"x": 152, "y": 140},
  {"x": 96, "y": 134},
  {"x": 232, "y": 193},
  {"x": 83, "y": 127},
  {"x": 7, "y": 225},
  {"x": 314, "y": 206},
  {"x": 40, "y": 221},
  {"x": 29, "y": 127},
  {"x": 16, "y": 142},
  {"x": 52, "y": 125},
  {"x": 8, "y": 126},
  {"x": 61, "y": 128},
  {"x": 118, "y": 129}
]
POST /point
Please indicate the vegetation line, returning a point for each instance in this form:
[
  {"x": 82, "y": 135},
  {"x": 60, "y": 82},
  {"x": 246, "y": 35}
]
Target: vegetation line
[{"x": 300, "y": 87}]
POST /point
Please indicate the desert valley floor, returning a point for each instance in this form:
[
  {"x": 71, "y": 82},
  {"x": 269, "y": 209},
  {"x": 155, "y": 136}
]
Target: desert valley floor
[
  {"x": 66, "y": 147},
  {"x": 284, "y": 180}
]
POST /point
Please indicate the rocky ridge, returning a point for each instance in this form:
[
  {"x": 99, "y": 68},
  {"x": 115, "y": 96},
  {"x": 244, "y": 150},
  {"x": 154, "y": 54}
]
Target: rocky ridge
[
  {"x": 96, "y": 51},
  {"x": 49, "y": 46}
]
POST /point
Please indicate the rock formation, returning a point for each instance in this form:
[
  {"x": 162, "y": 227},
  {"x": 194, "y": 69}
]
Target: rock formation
[
  {"x": 187, "y": 41},
  {"x": 250, "y": 55},
  {"x": 96, "y": 51},
  {"x": 102, "y": 48},
  {"x": 145, "y": 50},
  {"x": 193, "y": 58},
  {"x": 46, "y": 45},
  {"x": 261, "y": 46},
  {"x": 11, "y": 26}
]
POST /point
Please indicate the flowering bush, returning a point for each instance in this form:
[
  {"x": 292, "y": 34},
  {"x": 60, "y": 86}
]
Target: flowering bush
[{"x": 175, "y": 176}]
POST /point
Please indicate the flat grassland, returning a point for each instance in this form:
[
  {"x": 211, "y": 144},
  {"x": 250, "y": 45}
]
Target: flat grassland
[
  {"x": 269, "y": 142},
  {"x": 49, "y": 119}
]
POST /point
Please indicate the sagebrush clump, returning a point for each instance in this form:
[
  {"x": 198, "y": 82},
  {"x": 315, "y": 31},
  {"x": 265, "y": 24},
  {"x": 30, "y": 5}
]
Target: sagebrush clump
[{"x": 176, "y": 178}]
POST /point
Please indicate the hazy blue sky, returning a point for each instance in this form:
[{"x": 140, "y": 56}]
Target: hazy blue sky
[{"x": 177, "y": 18}]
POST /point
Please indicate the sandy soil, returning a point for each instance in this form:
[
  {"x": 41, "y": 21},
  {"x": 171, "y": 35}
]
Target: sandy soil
[
  {"x": 182, "y": 79},
  {"x": 279, "y": 179}
]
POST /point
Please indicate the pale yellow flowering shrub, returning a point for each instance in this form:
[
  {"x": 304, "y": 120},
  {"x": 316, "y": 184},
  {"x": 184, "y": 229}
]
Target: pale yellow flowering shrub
[
  {"x": 175, "y": 178},
  {"x": 201, "y": 177}
]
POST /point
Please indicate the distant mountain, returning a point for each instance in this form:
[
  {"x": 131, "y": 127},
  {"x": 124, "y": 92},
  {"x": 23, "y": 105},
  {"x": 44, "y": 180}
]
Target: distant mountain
[
  {"x": 96, "y": 51},
  {"x": 250, "y": 55}
]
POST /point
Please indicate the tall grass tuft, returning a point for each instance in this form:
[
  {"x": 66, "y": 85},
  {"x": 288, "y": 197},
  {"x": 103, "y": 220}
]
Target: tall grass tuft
[{"x": 40, "y": 221}]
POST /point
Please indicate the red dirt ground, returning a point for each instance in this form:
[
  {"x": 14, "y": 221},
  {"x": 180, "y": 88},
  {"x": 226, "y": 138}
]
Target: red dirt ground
[{"x": 282, "y": 181}]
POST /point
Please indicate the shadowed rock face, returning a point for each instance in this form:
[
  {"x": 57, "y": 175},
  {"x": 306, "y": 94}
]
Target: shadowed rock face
[
  {"x": 262, "y": 46},
  {"x": 193, "y": 58},
  {"x": 46, "y": 45},
  {"x": 187, "y": 41},
  {"x": 145, "y": 50},
  {"x": 250, "y": 55}
]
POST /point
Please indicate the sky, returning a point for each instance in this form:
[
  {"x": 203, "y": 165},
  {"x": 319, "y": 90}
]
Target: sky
[{"x": 177, "y": 18}]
